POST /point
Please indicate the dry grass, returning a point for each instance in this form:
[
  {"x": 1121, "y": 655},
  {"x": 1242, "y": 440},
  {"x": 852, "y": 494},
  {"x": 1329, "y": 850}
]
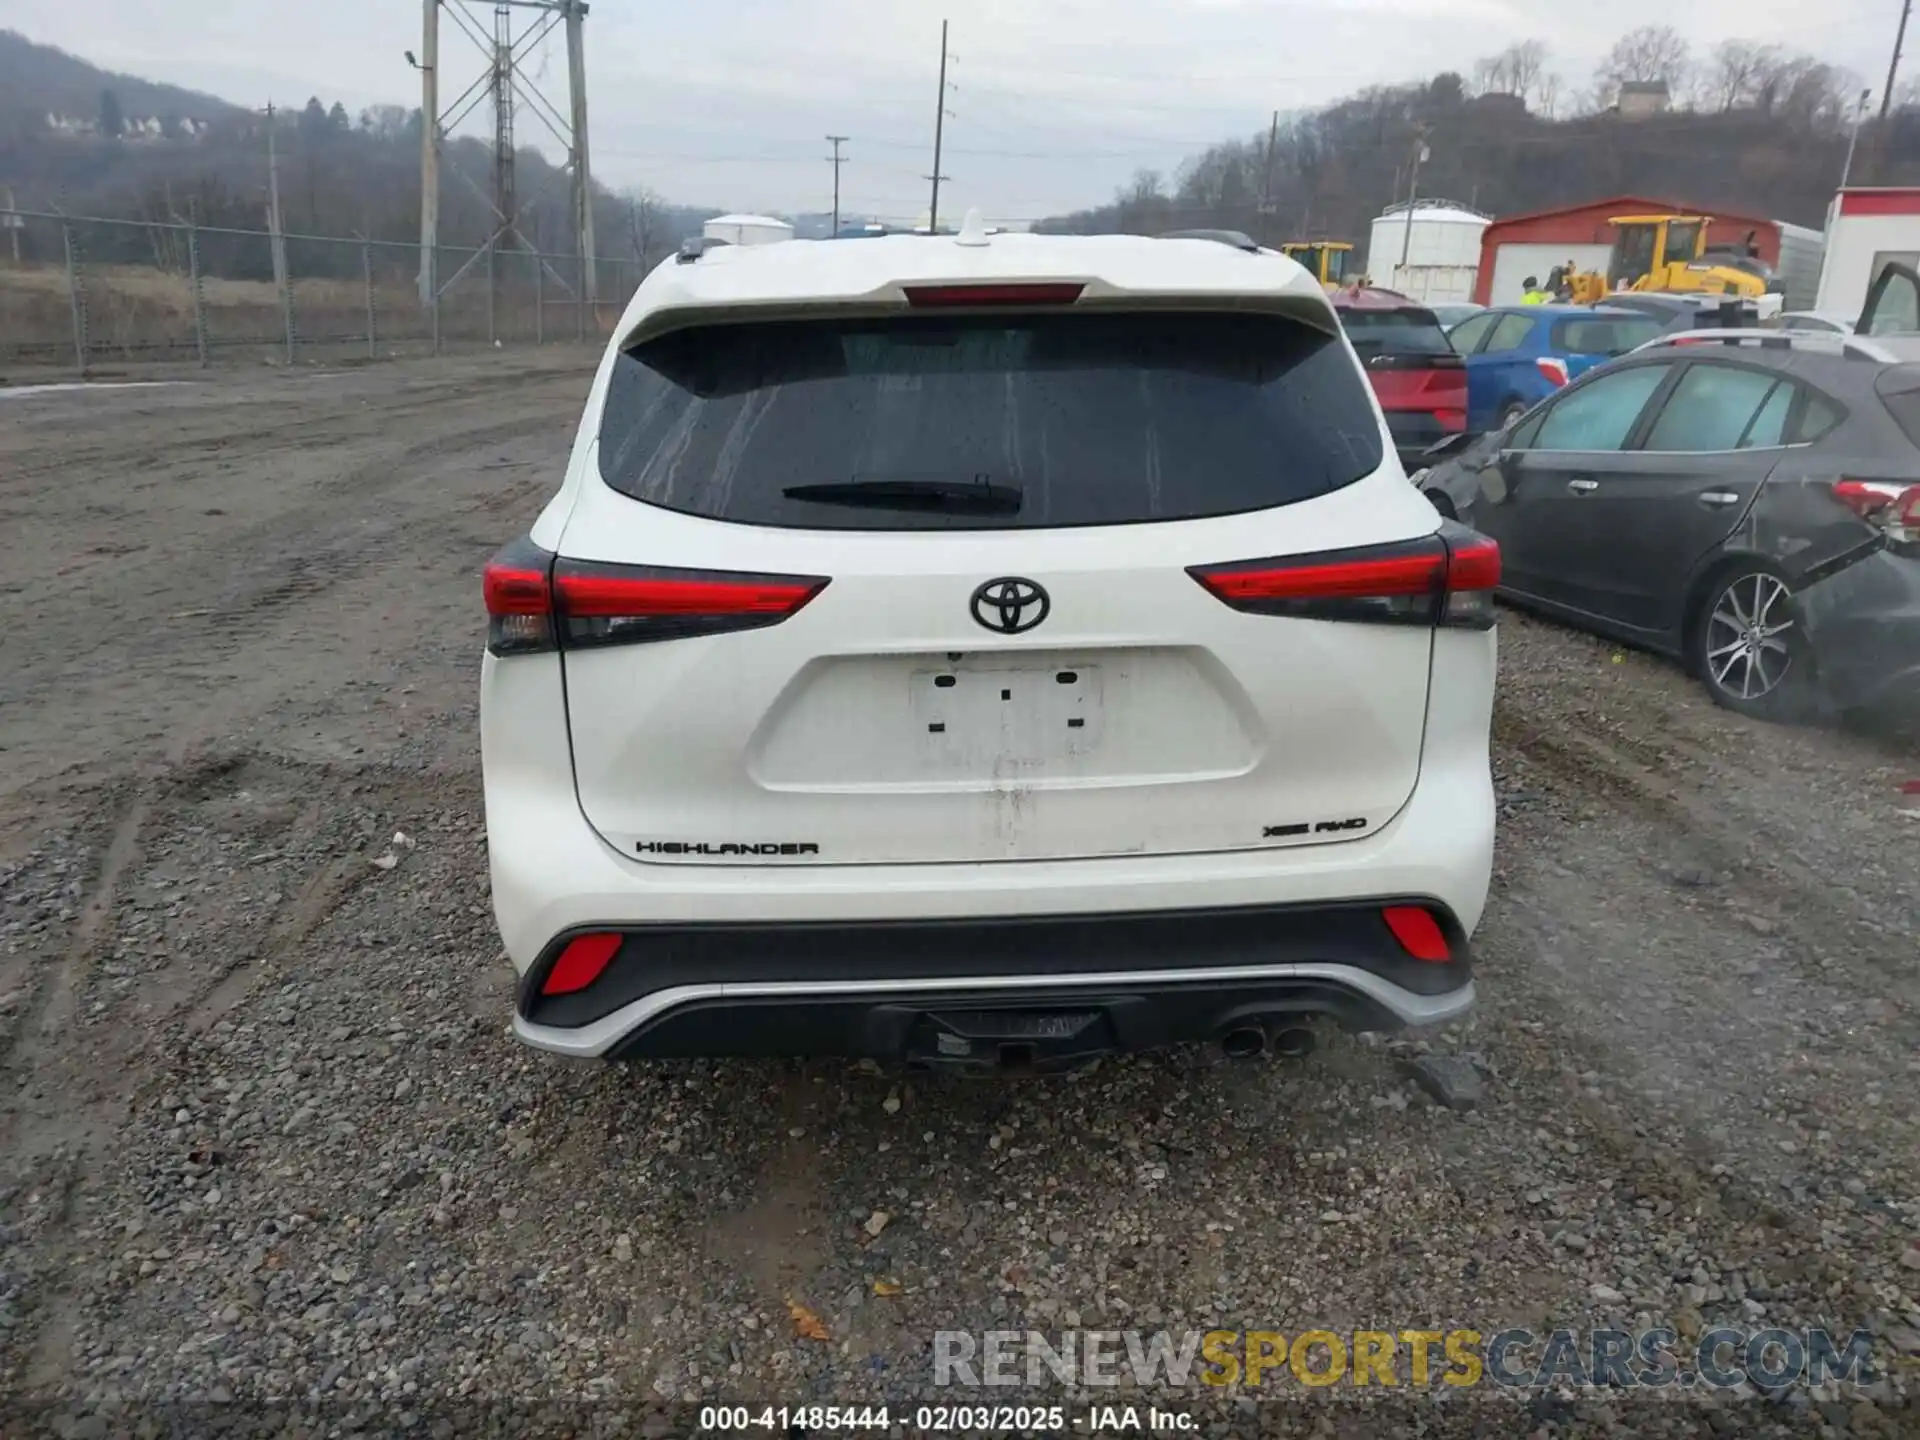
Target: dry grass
[{"x": 132, "y": 308}]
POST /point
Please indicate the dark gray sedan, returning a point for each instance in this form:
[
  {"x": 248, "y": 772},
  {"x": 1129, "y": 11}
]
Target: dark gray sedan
[{"x": 1746, "y": 501}]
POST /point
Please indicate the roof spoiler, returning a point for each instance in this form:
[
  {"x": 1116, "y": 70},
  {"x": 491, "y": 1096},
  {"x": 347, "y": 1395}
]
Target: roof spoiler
[{"x": 1237, "y": 239}]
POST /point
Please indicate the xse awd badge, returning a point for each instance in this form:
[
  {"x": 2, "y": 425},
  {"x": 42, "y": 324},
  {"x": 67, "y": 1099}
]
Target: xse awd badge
[
  {"x": 1010, "y": 604},
  {"x": 702, "y": 847},
  {"x": 1319, "y": 827}
]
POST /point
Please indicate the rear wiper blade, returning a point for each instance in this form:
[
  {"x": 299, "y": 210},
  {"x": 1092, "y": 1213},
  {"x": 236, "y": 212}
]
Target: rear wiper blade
[{"x": 908, "y": 494}]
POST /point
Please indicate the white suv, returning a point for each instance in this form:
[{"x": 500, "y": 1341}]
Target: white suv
[{"x": 985, "y": 651}]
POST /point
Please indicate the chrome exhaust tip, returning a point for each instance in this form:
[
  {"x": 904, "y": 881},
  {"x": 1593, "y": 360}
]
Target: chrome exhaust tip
[
  {"x": 1295, "y": 1042},
  {"x": 1243, "y": 1042}
]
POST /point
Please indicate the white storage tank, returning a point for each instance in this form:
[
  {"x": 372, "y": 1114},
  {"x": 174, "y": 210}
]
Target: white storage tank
[
  {"x": 1442, "y": 249},
  {"x": 747, "y": 229}
]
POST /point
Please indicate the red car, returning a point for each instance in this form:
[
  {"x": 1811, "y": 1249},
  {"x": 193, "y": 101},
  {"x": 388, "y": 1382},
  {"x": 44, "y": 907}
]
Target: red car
[{"x": 1420, "y": 379}]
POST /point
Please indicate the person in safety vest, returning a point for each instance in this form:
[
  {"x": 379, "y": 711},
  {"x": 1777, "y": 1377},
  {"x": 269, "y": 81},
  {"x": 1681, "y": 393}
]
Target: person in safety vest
[{"x": 1535, "y": 295}]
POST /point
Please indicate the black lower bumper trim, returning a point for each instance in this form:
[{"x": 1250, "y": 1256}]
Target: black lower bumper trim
[
  {"x": 655, "y": 958},
  {"x": 994, "y": 1032}
]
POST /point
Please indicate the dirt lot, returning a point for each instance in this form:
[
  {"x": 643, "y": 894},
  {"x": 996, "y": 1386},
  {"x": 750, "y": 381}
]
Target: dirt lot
[{"x": 262, "y": 1134}]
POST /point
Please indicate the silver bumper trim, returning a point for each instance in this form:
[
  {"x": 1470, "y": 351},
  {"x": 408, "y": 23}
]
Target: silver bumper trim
[{"x": 596, "y": 1039}]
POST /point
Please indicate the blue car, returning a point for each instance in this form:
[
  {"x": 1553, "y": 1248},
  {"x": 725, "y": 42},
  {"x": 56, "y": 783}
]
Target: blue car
[{"x": 1518, "y": 355}]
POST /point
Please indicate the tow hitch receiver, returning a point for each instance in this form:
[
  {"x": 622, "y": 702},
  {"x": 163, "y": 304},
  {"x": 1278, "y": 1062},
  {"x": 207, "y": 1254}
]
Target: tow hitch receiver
[{"x": 1007, "y": 1041}]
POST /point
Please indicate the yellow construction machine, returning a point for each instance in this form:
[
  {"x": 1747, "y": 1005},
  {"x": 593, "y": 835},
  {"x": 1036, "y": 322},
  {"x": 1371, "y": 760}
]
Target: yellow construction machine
[
  {"x": 1668, "y": 254},
  {"x": 1325, "y": 260}
]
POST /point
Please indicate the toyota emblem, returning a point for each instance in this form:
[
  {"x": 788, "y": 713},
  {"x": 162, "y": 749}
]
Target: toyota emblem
[{"x": 1010, "y": 604}]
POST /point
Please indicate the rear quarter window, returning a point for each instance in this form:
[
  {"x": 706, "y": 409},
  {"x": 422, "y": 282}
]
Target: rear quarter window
[
  {"x": 1899, "y": 388},
  {"x": 1609, "y": 337},
  {"x": 1409, "y": 331},
  {"x": 1092, "y": 418}
]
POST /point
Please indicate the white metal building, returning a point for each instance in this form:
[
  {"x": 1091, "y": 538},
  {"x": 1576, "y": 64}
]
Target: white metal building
[
  {"x": 747, "y": 229},
  {"x": 1441, "y": 246},
  {"x": 1865, "y": 229}
]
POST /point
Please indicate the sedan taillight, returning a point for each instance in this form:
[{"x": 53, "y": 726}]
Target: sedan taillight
[{"x": 1893, "y": 505}]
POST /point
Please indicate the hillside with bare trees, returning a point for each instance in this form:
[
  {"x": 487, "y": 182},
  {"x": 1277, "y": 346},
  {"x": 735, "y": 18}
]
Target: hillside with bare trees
[
  {"x": 1744, "y": 125},
  {"x": 83, "y": 141}
]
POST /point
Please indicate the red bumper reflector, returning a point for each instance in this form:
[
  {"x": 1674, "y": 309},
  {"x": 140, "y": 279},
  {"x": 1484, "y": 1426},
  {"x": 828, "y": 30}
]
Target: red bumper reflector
[
  {"x": 1418, "y": 932},
  {"x": 580, "y": 964}
]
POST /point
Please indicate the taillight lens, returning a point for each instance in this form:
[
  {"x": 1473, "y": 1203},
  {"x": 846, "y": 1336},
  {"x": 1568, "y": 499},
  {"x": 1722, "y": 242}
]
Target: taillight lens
[
  {"x": 519, "y": 591},
  {"x": 1554, "y": 368},
  {"x": 1447, "y": 578},
  {"x": 1893, "y": 505},
  {"x": 1418, "y": 932},
  {"x": 535, "y": 601}
]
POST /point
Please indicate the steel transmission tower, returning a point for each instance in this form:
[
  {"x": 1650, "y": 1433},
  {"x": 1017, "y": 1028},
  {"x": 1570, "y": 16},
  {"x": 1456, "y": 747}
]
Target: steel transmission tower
[{"x": 504, "y": 81}]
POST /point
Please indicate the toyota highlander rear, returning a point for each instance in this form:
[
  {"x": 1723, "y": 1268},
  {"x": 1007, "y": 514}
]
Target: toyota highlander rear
[{"x": 959, "y": 650}]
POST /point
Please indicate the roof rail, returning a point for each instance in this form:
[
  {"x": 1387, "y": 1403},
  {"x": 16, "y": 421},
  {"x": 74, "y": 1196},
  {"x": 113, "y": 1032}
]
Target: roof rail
[
  {"x": 1817, "y": 342},
  {"x": 1235, "y": 238}
]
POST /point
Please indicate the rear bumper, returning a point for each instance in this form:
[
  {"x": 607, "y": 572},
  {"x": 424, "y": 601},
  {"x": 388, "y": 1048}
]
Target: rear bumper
[
  {"x": 1075, "y": 1017},
  {"x": 1417, "y": 431},
  {"x": 1136, "y": 979},
  {"x": 1865, "y": 626}
]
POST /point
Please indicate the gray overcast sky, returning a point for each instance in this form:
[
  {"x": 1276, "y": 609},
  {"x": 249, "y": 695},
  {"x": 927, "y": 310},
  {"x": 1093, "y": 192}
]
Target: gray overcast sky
[{"x": 1054, "y": 102}]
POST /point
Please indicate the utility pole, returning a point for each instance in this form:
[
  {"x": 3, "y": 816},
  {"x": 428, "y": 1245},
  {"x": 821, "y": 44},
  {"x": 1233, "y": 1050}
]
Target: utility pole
[
  {"x": 276, "y": 230},
  {"x": 1266, "y": 186},
  {"x": 939, "y": 130},
  {"x": 1859, "y": 114},
  {"x": 837, "y": 141},
  {"x": 1886, "y": 97},
  {"x": 429, "y": 67},
  {"x": 1420, "y": 153},
  {"x": 576, "y": 14}
]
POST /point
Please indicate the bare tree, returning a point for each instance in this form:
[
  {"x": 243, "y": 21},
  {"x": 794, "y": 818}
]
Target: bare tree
[
  {"x": 1549, "y": 94},
  {"x": 1516, "y": 70},
  {"x": 1731, "y": 75},
  {"x": 1653, "y": 54}
]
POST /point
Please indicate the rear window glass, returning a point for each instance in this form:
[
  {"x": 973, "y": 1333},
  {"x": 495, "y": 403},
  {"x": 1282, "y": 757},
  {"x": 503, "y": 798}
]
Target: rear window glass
[
  {"x": 1900, "y": 392},
  {"x": 1395, "y": 332},
  {"x": 1059, "y": 419},
  {"x": 1615, "y": 336}
]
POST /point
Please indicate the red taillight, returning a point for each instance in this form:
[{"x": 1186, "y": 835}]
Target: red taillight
[
  {"x": 1554, "y": 368},
  {"x": 1893, "y": 505},
  {"x": 1451, "y": 420},
  {"x": 534, "y": 600},
  {"x": 1444, "y": 579},
  {"x": 935, "y": 297},
  {"x": 603, "y": 596},
  {"x": 519, "y": 594},
  {"x": 1418, "y": 932},
  {"x": 583, "y": 961}
]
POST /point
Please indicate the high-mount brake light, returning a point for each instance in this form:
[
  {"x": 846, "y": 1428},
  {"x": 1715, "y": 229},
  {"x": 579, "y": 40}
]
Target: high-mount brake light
[
  {"x": 535, "y": 600},
  {"x": 1447, "y": 578},
  {"x": 951, "y": 297}
]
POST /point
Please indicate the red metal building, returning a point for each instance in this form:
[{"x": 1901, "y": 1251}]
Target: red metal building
[{"x": 1516, "y": 246}]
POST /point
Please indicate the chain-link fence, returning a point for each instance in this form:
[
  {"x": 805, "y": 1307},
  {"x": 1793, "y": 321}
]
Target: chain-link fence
[{"x": 79, "y": 293}]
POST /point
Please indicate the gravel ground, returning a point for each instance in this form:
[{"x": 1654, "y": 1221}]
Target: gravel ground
[{"x": 263, "y": 1137}]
